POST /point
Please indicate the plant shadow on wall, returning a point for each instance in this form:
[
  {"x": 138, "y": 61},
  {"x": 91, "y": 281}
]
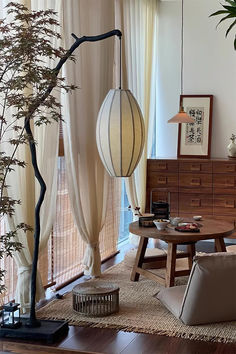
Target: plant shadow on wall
[{"x": 229, "y": 12}]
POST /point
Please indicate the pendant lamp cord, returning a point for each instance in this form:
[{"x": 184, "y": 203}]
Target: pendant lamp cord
[
  {"x": 120, "y": 64},
  {"x": 182, "y": 45}
]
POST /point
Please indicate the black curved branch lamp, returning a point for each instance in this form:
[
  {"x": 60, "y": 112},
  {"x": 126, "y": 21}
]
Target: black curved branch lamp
[
  {"x": 129, "y": 144},
  {"x": 33, "y": 322}
]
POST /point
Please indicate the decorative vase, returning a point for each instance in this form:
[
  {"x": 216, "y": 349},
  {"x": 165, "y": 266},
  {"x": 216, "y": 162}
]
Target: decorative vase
[{"x": 232, "y": 147}]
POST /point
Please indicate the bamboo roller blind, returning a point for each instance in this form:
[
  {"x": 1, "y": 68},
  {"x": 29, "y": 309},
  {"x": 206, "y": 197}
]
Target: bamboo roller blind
[{"x": 62, "y": 259}]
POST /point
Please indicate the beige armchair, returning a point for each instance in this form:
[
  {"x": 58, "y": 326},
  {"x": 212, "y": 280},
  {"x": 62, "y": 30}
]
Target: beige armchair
[{"x": 210, "y": 294}]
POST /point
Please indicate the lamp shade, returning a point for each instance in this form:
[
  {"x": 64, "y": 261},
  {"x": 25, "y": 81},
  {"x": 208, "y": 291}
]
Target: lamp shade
[
  {"x": 120, "y": 133},
  {"x": 181, "y": 117}
]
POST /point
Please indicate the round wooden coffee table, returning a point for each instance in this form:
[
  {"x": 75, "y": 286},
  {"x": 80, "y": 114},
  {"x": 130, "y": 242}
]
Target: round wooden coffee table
[{"x": 209, "y": 229}]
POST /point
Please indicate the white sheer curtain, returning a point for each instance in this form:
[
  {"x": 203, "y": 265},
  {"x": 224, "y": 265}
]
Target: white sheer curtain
[
  {"x": 47, "y": 137},
  {"x": 26, "y": 188},
  {"x": 93, "y": 73},
  {"x": 21, "y": 187},
  {"x": 138, "y": 22}
]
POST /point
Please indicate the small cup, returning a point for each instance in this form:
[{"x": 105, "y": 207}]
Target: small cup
[
  {"x": 197, "y": 217},
  {"x": 161, "y": 224}
]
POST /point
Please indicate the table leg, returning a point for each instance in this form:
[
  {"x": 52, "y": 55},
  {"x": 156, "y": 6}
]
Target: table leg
[
  {"x": 139, "y": 258},
  {"x": 220, "y": 245},
  {"x": 170, "y": 264},
  {"x": 192, "y": 251}
]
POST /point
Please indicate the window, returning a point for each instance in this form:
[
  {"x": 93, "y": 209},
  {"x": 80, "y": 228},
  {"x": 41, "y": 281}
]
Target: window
[{"x": 126, "y": 216}]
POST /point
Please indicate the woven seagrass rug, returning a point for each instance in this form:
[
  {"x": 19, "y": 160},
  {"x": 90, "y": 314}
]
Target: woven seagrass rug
[{"x": 139, "y": 312}]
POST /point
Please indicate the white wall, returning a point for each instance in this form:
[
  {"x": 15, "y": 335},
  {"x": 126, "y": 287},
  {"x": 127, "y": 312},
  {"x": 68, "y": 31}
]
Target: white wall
[{"x": 209, "y": 68}]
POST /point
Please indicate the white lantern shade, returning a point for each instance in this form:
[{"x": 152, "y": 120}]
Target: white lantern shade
[{"x": 120, "y": 133}]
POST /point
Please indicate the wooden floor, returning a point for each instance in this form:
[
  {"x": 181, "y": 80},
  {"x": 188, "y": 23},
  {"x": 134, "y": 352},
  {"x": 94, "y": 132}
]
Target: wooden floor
[{"x": 95, "y": 340}]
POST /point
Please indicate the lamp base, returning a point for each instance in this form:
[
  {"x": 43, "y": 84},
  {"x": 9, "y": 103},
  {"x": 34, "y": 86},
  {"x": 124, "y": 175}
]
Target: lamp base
[{"x": 49, "y": 331}]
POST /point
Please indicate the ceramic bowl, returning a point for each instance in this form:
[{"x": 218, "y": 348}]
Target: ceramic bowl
[
  {"x": 197, "y": 217},
  {"x": 161, "y": 223}
]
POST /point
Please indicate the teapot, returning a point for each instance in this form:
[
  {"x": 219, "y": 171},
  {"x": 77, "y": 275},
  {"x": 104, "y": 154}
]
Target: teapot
[{"x": 176, "y": 220}]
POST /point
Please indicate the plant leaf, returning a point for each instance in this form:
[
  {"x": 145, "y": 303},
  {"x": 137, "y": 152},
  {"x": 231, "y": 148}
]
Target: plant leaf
[
  {"x": 220, "y": 12},
  {"x": 230, "y": 27},
  {"x": 233, "y": 3},
  {"x": 225, "y": 18},
  {"x": 230, "y": 8}
]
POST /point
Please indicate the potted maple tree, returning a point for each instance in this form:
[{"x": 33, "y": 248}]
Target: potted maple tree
[{"x": 25, "y": 47}]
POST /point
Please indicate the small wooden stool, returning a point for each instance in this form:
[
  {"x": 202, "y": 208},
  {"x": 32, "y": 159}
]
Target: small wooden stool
[{"x": 95, "y": 298}]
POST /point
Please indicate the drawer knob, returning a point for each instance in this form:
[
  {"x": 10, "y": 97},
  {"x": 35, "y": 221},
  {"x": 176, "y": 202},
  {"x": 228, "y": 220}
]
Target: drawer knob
[
  {"x": 230, "y": 183},
  {"x": 162, "y": 180},
  {"x": 195, "y": 202},
  {"x": 162, "y": 166},
  {"x": 229, "y": 203},
  {"x": 195, "y": 182},
  {"x": 230, "y": 168},
  {"x": 195, "y": 167}
]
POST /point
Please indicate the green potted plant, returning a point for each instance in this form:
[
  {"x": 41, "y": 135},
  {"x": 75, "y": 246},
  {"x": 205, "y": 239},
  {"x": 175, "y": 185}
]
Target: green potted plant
[{"x": 229, "y": 12}]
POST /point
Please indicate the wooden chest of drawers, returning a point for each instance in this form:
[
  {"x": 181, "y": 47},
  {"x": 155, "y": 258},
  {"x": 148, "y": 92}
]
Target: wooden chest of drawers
[{"x": 193, "y": 186}]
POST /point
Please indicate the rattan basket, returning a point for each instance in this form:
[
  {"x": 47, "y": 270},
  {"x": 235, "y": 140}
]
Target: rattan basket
[{"x": 95, "y": 298}]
